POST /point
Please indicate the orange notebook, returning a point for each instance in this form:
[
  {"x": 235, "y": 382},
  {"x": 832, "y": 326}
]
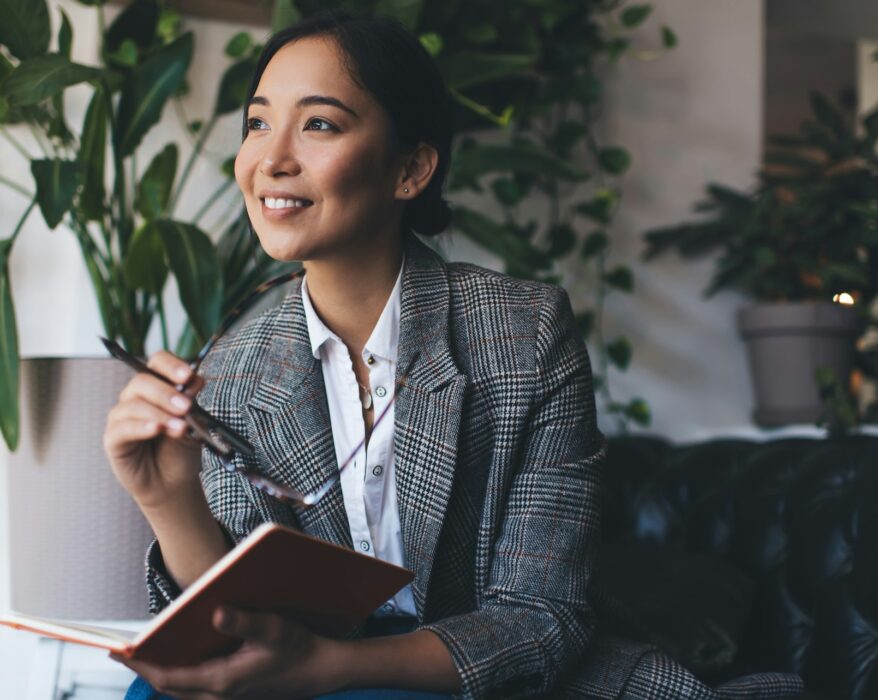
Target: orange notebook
[{"x": 329, "y": 588}]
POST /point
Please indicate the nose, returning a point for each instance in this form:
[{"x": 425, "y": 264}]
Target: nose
[{"x": 278, "y": 159}]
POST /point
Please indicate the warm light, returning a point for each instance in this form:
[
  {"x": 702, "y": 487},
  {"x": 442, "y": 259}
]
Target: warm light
[{"x": 844, "y": 298}]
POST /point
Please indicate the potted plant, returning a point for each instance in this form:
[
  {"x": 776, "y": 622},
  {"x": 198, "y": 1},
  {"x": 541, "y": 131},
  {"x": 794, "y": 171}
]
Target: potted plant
[
  {"x": 124, "y": 217},
  {"x": 803, "y": 244}
]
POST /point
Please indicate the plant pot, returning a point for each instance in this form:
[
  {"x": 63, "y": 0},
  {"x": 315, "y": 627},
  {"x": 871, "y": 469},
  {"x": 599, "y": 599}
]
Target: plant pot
[
  {"x": 77, "y": 540},
  {"x": 786, "y": 343}
]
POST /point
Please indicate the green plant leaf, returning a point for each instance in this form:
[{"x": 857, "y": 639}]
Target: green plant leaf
[
  {"x": 407, "y": 12},
  {"x": 562, "y": 239},
  {"x": 137, "y": 22},
  {"x": 508, "y": 192},
  {"x": 620, "y": 278},
  {"x": 614, "y": 160},
  {"x": 514, "y": 249},
  {"x": 145, "y": 94},
  {"x": 432, "y": 42},
  {"x": 468, "y": 68},
  {"x": 233, "y": 87},
  {"x": 285, "y": 14},
  {"x": 126, "y": 55},
  {"x": 168, "y": 27},
  {"x": 193, "y": 260},
  {"x": 155, "y": 185},
  {"x": 480, "y": 32},
  {"x": 37, "y": 79},
  {"x": 635, "y": 15},
  {"x": 9, "y": 416},
  {"x": 65, "y": 36},
  {"x": 669, "y": 38},
  {"x": 587, "y": 90},
  {"x": 478, "y": 160},
  {"x": 595, "y": 243},
  {"x": 638, "y": 411},
  {"x": 566, "y": 136},
  {"x": 56, "y": 185},
  {"x": 5, "y": 109},
  {"x": 145, "y": 267},
  {"x": 239, "y": 45},
  {"x": 92, "y": 156},
  {"x": 585, "y": 323},
  {"x": 619, "y": 352},
  {"x": 24, "y": 28},
  {"x": 600, "y": 208}
]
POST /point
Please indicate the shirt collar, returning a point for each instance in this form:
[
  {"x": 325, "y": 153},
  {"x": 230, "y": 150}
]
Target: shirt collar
[{"x": 384, "y": 340}]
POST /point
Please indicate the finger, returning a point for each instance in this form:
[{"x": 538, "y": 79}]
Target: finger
[
  {"x": 162, "y": 395},
  {"x": 121, "y": 434},
  {"x": 140, "y": 410},
  {"x": 171, "y": 366},
  {"x": 262, "y": 628}
]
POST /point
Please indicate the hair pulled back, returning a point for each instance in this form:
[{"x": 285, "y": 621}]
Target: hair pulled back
[{"x": 384, "y": 59}]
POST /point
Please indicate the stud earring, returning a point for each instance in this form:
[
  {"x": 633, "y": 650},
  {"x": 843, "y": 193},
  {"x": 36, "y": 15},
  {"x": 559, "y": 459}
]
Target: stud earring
[{"x": 405, "y": 189}]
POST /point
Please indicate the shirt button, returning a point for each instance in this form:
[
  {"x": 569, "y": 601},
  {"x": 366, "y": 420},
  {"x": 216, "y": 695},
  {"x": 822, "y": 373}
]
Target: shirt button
[
  {"x": 381, "y": 391},
  {"x": 364, "y": 545},
  {"x": 388, "y": 607},
  {"x": 370, "y": 360},
  {"x": 377, "y": 470}
]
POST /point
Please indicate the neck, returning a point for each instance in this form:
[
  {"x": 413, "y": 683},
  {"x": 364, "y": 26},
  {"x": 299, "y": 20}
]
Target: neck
[{"x": 349, "y": 293}]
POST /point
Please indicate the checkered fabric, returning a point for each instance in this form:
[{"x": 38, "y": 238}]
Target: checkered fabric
[{"x": 498, "y": 475}]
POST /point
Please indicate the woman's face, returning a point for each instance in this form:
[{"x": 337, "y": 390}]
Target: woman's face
[{"x": 317, "y": 170}]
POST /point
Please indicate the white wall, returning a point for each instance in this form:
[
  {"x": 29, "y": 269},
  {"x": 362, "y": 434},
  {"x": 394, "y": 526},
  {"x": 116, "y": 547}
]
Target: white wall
[{"x": 690, "y": 117}]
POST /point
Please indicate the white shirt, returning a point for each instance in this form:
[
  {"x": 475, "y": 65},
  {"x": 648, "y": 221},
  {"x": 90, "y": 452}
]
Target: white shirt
[{"x": 368, "y": 483}]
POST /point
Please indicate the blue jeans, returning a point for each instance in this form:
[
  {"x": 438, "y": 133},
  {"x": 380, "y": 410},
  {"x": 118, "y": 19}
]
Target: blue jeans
[{"x": 141, "y": 690}]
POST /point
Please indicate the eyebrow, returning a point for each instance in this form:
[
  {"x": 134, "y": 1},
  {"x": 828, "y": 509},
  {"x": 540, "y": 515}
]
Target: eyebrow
[{"x": 308, "y": 101}]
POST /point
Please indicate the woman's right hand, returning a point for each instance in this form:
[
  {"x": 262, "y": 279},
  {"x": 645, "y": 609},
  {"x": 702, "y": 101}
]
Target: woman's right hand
[{"x": 146, "y": 436}]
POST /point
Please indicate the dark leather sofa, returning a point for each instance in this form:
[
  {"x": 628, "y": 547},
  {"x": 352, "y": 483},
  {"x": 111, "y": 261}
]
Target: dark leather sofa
[{"x": 737, "y": 556}]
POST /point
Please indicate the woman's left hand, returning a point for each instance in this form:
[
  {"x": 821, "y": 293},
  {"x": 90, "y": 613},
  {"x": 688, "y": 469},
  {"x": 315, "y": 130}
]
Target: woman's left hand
[{"x": 279, "y": 658}]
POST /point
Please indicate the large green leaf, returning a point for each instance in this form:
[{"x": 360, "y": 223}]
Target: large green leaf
[
  {"x": 478, "y": 160},
  {"x": 136, "y": 23},
  {"x": 284, "y": 14},
  {"x": 56, "y": 185},
  {"x": 145, "y": 266},
  {"x": 65, "y": 36},
  {"x": 467, "y": 68},
  {"x": 233, "y": 87},
  {"x": 145, "y": 95},
  {"x": 193, "y": 260},
  {"x": 155, "y": 185},
  {"x": 8, "y": 354},
  {"x": 407, "y": 12},
  {"x": 37, "y": 79},
  {"x": 24, "y": 27},
  {"x": 92, "y": 156},
  {"x": 498, "y": 239}
]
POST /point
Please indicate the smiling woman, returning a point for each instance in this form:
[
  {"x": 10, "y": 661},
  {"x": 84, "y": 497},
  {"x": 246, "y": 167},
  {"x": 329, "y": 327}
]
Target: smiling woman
[{"x": 484, "y": 477}]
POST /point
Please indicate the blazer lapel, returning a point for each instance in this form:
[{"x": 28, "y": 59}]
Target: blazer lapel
[
  {"x": 291, "y": 418},
  {"x": 428, "y": 411}
]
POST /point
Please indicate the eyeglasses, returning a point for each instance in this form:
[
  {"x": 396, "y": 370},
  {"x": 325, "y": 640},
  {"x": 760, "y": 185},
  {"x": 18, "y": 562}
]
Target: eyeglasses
[{"x": 221, "y": 439}]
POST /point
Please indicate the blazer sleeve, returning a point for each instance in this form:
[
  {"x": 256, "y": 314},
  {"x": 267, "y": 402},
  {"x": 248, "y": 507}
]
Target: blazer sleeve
[
  {"x": 231, "y": 508},
  {"x": 533, "y": 622}
]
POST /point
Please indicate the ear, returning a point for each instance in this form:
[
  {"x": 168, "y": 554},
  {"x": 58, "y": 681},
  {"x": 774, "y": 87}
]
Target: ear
[{"x": 417, "y": 171}]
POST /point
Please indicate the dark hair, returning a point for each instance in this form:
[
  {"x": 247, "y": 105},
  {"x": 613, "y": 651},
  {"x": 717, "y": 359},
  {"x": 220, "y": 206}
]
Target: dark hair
[{"x": 389, "y": 63}]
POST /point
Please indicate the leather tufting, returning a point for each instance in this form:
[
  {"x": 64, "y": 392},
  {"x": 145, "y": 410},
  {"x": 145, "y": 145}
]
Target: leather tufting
[{"x": 797, "y": 518}]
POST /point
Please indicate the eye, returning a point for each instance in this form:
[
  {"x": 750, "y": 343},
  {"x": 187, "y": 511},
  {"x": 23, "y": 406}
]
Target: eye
[
  {"x": 319, "y": 124},
  {"x": 254, "y": 123}
]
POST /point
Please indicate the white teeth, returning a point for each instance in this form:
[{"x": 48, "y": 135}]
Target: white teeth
[{"x": 276, "y": 203}]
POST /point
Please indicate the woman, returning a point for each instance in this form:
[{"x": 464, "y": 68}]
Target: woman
[{"x": 483, "y": 479}]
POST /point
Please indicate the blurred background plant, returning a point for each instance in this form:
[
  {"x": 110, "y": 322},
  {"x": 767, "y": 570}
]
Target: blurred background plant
[
  {"x": 129, "y": 233},
  {"x": 541, "y": 189},
  {"x": 807, "y": 231}
]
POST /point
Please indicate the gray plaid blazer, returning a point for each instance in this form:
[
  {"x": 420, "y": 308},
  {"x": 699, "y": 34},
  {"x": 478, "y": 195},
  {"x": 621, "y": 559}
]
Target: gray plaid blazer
[{"x": 498, "y": 461}]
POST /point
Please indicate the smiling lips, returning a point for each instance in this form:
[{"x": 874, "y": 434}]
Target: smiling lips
[{"x": 283, "y": 206}]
